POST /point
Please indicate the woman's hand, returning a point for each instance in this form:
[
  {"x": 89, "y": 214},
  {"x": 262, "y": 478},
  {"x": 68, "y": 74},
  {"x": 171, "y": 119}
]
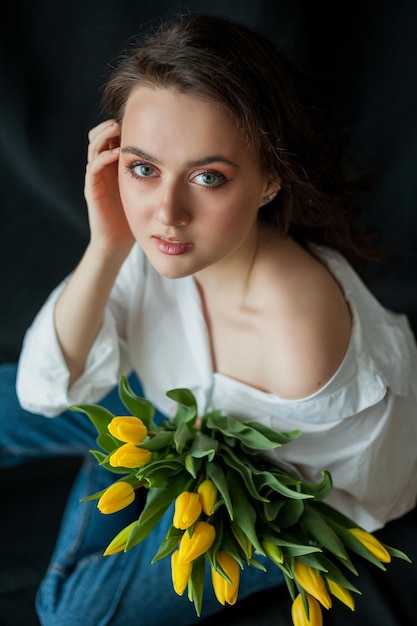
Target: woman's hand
[
  {"x": 110, "y": 232},
  {"x": 79, "y": 311}
]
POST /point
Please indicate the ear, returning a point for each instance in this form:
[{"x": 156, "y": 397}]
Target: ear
[{"x": 270, "y": 190}]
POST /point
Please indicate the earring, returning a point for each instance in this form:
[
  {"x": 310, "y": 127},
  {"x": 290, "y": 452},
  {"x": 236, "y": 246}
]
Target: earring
[{"x": 270, "y": 197}]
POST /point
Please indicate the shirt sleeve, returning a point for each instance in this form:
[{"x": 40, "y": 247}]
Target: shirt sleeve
[{"x": 43, "y": 377}]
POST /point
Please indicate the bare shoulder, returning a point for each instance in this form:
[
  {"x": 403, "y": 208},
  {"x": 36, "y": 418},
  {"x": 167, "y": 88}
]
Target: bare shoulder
[{"x": 308, "y": 323}]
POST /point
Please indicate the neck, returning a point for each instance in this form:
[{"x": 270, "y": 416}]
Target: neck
[{"x": 232, "y": 278}]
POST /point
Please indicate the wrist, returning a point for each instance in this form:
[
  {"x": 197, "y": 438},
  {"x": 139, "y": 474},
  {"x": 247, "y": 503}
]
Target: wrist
[{"x": 110, "y": 257}]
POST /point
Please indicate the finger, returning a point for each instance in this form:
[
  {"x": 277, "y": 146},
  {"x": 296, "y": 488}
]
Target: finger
[
  {"x": 104, "y": 138},
  {"x": 104, "y": 158},
  {"x": 99, "y": 128}
]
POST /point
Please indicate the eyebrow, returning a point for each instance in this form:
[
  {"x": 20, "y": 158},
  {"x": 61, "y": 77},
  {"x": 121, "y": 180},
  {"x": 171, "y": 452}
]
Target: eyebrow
[{"x": 211, "y": 158}]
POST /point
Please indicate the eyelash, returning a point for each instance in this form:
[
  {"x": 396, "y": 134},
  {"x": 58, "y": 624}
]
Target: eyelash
[{"x": 131, "y": 167}]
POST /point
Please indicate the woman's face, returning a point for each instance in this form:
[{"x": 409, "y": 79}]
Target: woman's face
[{"x": 190, "y": 187}]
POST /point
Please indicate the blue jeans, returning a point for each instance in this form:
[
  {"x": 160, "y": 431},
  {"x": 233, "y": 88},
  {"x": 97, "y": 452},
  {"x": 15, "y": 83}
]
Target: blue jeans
[{"x": 81, "y": 586}]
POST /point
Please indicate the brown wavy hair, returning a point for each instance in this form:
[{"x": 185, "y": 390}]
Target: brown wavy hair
[{"x": 276, "y": 107}]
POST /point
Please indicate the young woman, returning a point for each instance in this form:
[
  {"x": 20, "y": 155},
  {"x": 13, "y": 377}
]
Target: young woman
[{"x": 221, "y": 223}]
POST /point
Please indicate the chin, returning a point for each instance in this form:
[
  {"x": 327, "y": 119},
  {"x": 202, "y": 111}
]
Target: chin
[
  {"x": 170, "y": 269},
  {"x": 173, "y": 275}
]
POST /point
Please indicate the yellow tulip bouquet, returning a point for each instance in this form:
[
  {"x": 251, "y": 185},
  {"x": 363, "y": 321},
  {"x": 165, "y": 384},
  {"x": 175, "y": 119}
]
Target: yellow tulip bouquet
[{"x": 232, "y": 508}]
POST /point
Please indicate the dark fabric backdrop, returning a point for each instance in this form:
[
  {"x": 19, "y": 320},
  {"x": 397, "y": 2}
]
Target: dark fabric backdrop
[{"x": 53, "y": 60}]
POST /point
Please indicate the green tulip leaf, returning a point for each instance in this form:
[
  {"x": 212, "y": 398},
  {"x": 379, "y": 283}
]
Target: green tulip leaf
[
  {"x": 99, "y": 456},
  {"x": 142, "y": 529},
  {"x": 242, "y": 540},
  {"x": 286, "y": 569},
  {"x": 253, "y": 562},
  {"x": 267, "y": 479},
  {"x": 230, "y": 545},
  {"x": 192, "y": 465},
  {"x": 399, "y": 554},
  {"x": 282, "y": 475},
  {"x": 174, "y": 465},
  {"x": 274, "y": 435},
  {"x": 187, "y": 406},
  {"x": 183, "y": 396},
  {"x": 250, "y": 437},
  {"x": 315, "y": 561},
  {"x": 169, "y": 544},
  {"x": 162, "y": 439},
  {"x": 289, "y": 513},
  {"x": 211, "y": 553},
  {"x": 159, "y": 476},
  {"x": 290, "y": 585},
  {"x": 196, "y": 583},
  {"x": 271, "y": 509},
  {"x": 139, "y": 407},
  {"x": 292, "y": 549},
  {"x": 315, "y": 524},
  {"x": 203, "y": 445},
  {"x": 296, "y": 551},
  {"x": 336, "y": 516},
  {"x": 245, "y": 515},
  {"x": 232, "y": 460},
  {"x": 94, "y": 496},
  {"x": 217, "y": 475},
  {"x": 100, "y": 418},
  {"x": 182, "y": 436},
  {"x": 334, "y": 573},
  {"x": 318, "y": 490}
]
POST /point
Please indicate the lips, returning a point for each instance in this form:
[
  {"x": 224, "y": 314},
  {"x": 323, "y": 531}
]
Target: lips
[{"x": 170, "y": 246}]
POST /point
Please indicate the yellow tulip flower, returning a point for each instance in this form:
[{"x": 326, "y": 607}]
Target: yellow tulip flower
[
  {"x": 372, "y": 544},
  {"x": 299, "y": 616},
  {"x": 225, "y": 591},
  {"x": 127, "y": 428},
  {"x": 116, "y": 497},
  {"x": 199, "y": 542},
  {"x": 187, "y": 509},
  {"x": 311, "y": 581},
  {"x": 128, "y": 455},
  {"x": 180, "y": 573},
  {"x": 341, "y": 593},
  {"x": 207, "y": 491}
]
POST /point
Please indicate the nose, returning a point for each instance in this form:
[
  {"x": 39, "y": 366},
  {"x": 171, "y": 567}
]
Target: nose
[{"x": 172, "y": 207}]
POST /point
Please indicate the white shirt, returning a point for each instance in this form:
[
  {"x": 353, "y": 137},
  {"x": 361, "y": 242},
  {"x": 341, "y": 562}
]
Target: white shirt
[{"x": 361, "y": 426}]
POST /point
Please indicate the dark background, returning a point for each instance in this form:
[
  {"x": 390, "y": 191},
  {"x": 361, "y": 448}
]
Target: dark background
[{"x": 54, "y": 57}]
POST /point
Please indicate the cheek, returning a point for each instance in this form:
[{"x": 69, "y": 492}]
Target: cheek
[
  {"x": 132, "y": 210},
  {"x": 128, "y": 194},
  {"x": 237, "y": 216}
]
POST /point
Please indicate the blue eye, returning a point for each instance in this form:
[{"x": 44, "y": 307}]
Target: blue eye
[
  {"x": 209, "y": 179},
  {"x": 142, "y": 170}
]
